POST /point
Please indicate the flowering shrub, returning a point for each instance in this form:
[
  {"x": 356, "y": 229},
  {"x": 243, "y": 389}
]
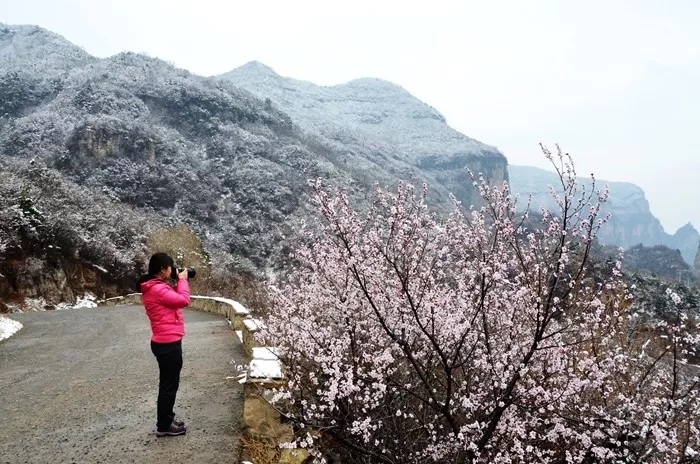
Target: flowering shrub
[{"x": 483, "y": 336}]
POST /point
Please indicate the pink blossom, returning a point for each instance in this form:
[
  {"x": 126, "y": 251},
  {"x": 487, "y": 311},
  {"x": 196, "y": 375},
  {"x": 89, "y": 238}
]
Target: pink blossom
[{"x": 479, "y": 336}]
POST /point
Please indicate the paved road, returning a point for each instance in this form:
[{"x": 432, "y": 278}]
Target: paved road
[{"x": 80, "y": 386}]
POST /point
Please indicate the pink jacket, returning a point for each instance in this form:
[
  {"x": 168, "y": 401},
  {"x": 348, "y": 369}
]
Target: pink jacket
[{"x": 164, "y": 308}]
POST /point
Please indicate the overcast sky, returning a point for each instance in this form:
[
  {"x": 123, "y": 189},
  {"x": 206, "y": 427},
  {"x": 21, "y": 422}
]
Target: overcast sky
[{"x": 615, "y": 83}]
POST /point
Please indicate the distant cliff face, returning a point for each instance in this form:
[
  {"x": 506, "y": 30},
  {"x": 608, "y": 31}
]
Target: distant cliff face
[
  {"x": 381, "y": 129},
  {"x": 632, "y": 222},
  {"x": 686, "y": 240}
]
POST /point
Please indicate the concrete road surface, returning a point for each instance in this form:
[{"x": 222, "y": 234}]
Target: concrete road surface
[{"x": 80, "y": 386}]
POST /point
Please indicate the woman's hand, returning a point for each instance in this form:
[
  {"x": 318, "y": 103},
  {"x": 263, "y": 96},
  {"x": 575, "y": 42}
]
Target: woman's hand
[{"x": 182, "y": 274}]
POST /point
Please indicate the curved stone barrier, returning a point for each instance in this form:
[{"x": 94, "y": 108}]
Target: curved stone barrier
[{"x": 231, "y": 309}]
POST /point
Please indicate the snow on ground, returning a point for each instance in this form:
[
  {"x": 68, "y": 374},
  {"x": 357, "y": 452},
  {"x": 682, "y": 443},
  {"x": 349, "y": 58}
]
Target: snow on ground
[
  {"x": 87, "y": 301},
  {"x": 8, "y": 327},
  {"x": 266, "y": 352}
]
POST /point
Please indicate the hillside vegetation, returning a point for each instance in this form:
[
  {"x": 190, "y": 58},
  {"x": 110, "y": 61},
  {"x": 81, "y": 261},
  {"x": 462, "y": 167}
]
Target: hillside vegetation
[{"x": 165, "y": 149}]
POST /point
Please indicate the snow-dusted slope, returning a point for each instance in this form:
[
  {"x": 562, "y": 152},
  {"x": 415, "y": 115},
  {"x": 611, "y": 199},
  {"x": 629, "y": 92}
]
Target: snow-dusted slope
[
  {"x": 374, "y": 119},
  {"x": 32, "y": 48}
]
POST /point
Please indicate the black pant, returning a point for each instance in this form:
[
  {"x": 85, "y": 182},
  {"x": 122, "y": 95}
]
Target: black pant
[{"x": 169, "y": 356}]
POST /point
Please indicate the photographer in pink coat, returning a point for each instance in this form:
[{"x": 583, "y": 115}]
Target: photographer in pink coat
[{"x": 164, "y": 304}]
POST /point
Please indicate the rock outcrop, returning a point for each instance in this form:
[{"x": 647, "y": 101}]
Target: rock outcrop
[{"x": 42, "y": 283}]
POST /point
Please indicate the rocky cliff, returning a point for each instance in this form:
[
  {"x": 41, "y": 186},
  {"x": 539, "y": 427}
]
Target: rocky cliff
[
  {"x": 378, "y": 126},
  {"x": 632, "y": 222}
]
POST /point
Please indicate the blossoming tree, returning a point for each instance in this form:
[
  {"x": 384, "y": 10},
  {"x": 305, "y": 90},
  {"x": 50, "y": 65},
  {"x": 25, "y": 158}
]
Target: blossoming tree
[{"x": 483, "y": 336}]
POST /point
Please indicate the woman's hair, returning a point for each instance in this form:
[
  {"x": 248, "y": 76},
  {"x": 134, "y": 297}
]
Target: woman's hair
[{"x": 159, "y": 261}]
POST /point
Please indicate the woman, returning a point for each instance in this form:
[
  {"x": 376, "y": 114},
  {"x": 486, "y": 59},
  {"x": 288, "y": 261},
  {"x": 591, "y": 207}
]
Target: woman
[{"x": 164, "y": 306}]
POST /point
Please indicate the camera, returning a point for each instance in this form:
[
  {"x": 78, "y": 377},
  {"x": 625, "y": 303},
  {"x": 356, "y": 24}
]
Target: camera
[{"x": 191, "y": 272}]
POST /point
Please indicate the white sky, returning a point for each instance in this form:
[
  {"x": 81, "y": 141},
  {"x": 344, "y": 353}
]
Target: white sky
[{"x": 615, "y": 83}]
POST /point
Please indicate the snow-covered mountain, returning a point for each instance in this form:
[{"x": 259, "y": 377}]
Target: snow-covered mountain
[
  {"x": 101, "y": 157},
  {"x": 83, "y": 138},
  {"x": 384, "y": 122},
  {"x": 375, "y": 122}
]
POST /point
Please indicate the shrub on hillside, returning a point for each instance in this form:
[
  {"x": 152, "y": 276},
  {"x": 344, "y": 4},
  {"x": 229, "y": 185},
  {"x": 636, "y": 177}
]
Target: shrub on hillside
[{"x": 187, "y": 250}]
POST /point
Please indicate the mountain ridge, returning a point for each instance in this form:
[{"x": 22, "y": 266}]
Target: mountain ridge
[
  {"x": 24, "y": 42},
  {"x": 389, "y": 116}
]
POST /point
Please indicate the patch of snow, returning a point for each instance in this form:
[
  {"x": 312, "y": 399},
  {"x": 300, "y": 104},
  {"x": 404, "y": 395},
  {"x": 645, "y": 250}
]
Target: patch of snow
[
  {"x": 8, "y": 327},
  {"x": 266, "y": 352},
  {"x": 265, "y": 369},
  {"x": 254, "y": 324},
  {"x": 240, "y": 335},
  {"x": 34, "y": 304},
  {"x": 100, "y": 268},
  {"x": 87, "y": 301}
]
